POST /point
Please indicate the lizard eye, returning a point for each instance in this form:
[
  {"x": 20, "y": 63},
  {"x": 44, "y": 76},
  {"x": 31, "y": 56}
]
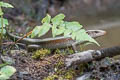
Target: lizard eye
[{"x": 96, "y": 31}]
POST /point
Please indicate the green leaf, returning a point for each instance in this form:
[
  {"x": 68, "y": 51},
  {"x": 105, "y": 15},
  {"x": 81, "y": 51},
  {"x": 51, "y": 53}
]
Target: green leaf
[
  {"x": 57, "y": 30},
  {"x": 57, "y": 19},
  {"x": 54, "y": 30},
  {"x": 3, "y": 64},
  {"x": 6, "y": 72},
  {"x": 40, "y": 30},
  {"x": 74, "y": 26},
  {"x": 60, "y": 31},
  {"x": 1, "y": 13},
  {"x": 4, "y": 31},
  {"x": 62, "y": 24},
  {"x": 44, "y": 29},
  {"x": 83, "y": 36},
  {"x": 67, "y": 32},
  {"x": 6, "y": 5},
  {"x": 74, "y": 35},
  {"x": 46, "y": 19},
  {"x": 35, "y": 31},
  {"x": 5, "y": 22}
]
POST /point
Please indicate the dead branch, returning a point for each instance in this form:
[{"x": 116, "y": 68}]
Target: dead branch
[{"x": 91, "y": 55}]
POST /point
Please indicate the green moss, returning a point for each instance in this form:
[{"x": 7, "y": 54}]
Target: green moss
[
  {"x": 69, "y": 75},
  {"x": 81, "y": 68},
  {"x": 60, "y": 72},
  {"x": 41, "y": 53},
  {"x": 58, "y": 51},
  {"x": 69, "y": 50},
  {"x": 65, "y": 51},
  {"x": 62, "y": 75},
  {"x": 66, "y": 74},
  {"x": 59, "y": 64},
  {"x": 51, "y": 77}
]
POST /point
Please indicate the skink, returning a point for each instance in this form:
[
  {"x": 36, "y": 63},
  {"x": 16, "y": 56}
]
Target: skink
[{"x": 53, "y": 43}]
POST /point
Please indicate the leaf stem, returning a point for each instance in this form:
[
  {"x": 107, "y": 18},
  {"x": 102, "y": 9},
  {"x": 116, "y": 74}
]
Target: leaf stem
[{"x": 1, "y": 33}]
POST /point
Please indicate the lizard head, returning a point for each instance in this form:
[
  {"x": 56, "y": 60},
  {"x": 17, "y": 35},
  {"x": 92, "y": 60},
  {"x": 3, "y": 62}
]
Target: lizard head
[{"x": 96, "y": 33}]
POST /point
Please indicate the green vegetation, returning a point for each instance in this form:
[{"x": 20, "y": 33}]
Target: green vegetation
[
  {"x": 67, "y": 50},
  {"x": 62, "y": 75},
  {"x": 52, "y": 77},
  {"x": 59, "y": 26},
  {"x": 3, "y": 21},
  {"x": 40, "y": 54},
  {"x": 6, "y": 72}
]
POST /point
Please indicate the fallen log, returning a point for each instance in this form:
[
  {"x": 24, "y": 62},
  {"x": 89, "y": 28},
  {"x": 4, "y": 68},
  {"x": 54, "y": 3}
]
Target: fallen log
[{"x": 91, "y": 55}]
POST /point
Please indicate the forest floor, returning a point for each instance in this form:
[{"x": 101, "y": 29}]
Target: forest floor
[
  {"x": 51, "y": 66},
  {"x": 46, "y": 64}
]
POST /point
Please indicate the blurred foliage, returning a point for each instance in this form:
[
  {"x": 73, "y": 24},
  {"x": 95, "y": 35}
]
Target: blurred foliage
[{"x": 6, "y": 72}]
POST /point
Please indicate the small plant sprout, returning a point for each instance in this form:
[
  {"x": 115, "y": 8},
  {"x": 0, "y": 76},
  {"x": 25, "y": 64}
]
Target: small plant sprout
[{"x": 3, "y": 21}]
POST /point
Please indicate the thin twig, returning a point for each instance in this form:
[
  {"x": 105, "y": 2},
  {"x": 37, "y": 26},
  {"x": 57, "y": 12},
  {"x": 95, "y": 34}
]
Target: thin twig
[{"x": 27, "y": 34}]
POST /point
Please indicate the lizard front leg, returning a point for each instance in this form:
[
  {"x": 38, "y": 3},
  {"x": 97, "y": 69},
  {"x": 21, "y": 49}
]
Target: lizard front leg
[
  {"x": 74, "y": 47},
  {"x": 77, "y": 43}
]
